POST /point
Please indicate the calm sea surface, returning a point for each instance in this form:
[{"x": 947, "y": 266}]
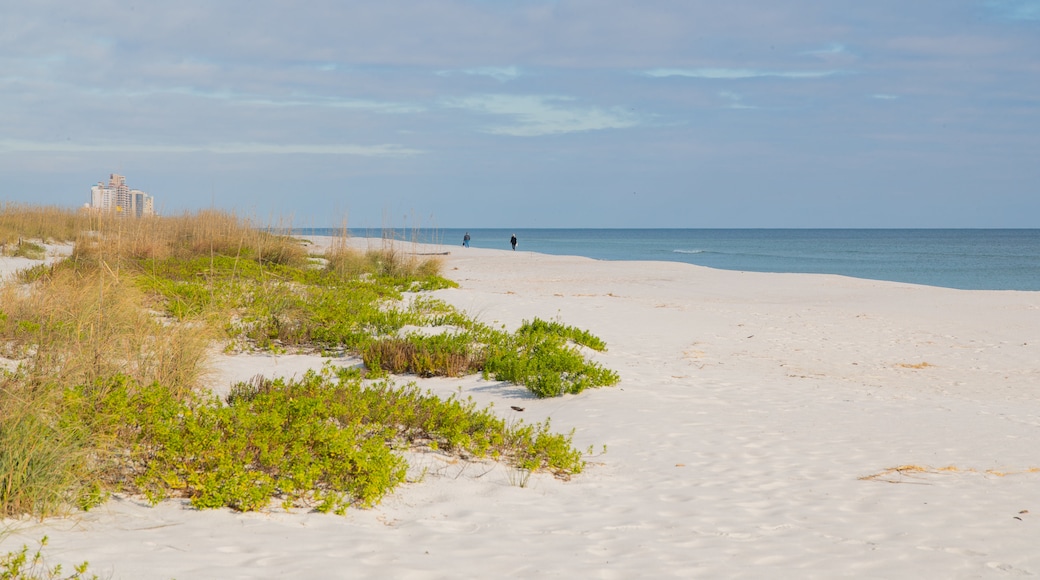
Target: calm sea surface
[{"x": 974, "y": 259}]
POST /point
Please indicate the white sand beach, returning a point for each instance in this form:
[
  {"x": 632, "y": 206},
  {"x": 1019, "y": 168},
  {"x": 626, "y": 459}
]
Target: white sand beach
[{"x": 755, "y": 434}]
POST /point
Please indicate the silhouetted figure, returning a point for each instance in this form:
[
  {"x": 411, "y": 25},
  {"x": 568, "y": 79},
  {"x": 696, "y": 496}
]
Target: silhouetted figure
[
  {"x": 465, "y": 240},
  {"x": 512, "y": 242}
]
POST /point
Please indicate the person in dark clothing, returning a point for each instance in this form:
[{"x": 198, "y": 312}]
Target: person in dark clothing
[
  {"x": 465, "y": 240},
  {"x": 512, "y": 242}
]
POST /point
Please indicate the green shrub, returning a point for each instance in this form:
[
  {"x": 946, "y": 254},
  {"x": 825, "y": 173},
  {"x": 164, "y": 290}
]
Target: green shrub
[
  {"x": 456, "y": 425},
  {"x": 539, "y": 327},
  {"x": 319, "y": 442},
  {"x": 277, "y": 442},
  {"x": 539, "y": 356}
]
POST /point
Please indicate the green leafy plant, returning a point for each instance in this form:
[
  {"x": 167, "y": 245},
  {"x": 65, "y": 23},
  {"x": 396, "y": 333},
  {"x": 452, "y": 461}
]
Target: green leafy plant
[
  {"x": 322, "y": 442},
  {"x": 543, "y": 357},
  {"x": 18, "y": 565}
]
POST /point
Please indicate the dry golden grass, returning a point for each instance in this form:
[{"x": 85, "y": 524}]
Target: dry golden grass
[
  {"x": 389, "y": 260},
  {"x": 76, "y": 325},
  {"x": 112, "y": 239},
  {"x": 429, "y": 267},
  {"x": 915, "y": 366},
  {"x": 75, "y": 328},
  {"x": 204, "y": 233},
  {"x": 343, "y": 260},
  {"x": 401, "y": 356},
  {"x": 21, "y": 221},
  {"x": 905, "y": 473}
]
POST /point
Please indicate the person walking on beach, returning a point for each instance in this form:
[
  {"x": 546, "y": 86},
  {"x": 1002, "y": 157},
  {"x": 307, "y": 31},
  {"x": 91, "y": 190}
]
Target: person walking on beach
[
  {"x": 465, "y": 240},
  {"x": 512, "y": 242}
]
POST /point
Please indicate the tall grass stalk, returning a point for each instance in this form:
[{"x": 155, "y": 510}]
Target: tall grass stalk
[{"x": 40, "y": 461}]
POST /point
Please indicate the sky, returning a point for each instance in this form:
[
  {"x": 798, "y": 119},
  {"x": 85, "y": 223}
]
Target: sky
[{"x": 531, "y": 113}]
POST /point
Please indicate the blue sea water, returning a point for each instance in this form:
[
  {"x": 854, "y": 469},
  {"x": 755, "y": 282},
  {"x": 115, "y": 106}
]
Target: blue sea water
[{"x": 971, "y": 259}]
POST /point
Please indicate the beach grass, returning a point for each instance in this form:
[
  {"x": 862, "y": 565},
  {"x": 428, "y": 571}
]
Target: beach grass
[
  {"x": 45, "y": 223},
  {"x": 113, "y": 344}
]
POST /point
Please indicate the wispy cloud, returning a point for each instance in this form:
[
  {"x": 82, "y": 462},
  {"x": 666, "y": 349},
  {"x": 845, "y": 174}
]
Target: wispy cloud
[
  {"x": 383, "y": 150},
  {"x": 388, "y": 107},
  {"x": 535, "y": 115},
  {"x": 884, "y": 97},
  {"x": 501, "y": 74},
  {"x": 829, "y": 50},
  {"x": 295, "y": 100},
  {"x": 736, "y": 73}
]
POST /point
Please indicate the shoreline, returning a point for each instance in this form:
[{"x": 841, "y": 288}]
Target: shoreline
[
  {"x": 755, "y": 432},
  {"x": 948, "y": 258}
]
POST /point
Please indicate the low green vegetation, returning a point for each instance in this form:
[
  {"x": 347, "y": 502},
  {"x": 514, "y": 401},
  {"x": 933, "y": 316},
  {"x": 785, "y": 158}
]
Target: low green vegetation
[
  {"x": 542, "y": 356},
  {"x": 112, "y": 345},
  {"x": 19, "y": 565},
  {"x": 324, "y": 442},
  {"x": 30, "y": 250}
]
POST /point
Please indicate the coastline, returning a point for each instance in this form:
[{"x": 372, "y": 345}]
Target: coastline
[
  {"x": 751, "y": 409},
  {"x": 969, "y": 259}
]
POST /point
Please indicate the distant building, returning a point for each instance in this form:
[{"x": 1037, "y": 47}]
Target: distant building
[{"x": 117, "y": 197}]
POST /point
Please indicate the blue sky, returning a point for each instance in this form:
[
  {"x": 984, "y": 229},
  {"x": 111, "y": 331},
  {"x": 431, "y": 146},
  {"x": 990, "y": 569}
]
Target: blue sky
[{"x": 533, "y": 113}]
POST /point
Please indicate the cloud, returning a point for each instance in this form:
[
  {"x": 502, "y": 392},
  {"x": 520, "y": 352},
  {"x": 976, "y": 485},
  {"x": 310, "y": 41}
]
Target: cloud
[
  {"x": 501, "y": 74},
  {"x": 735, "y": 73},
  {"x": 384, "y": 150},
  {"x": 296, "y": 100},
  {"x": 834, "y": 55},
  {"x": 884, "y": 97},
  {"x": 829, "y": 50},
  {"x": 535, "y": 115},
  {"x": 387, "y": 107}
]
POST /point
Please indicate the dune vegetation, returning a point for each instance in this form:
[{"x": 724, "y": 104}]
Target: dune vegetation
[{"x": 111, "y": 347}]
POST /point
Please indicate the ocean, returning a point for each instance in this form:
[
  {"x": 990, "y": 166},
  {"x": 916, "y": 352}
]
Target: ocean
[{"x": 969, "y": 259}]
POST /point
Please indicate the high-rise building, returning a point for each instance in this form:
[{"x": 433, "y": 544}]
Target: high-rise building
[{"x": 117, "y": 197}]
